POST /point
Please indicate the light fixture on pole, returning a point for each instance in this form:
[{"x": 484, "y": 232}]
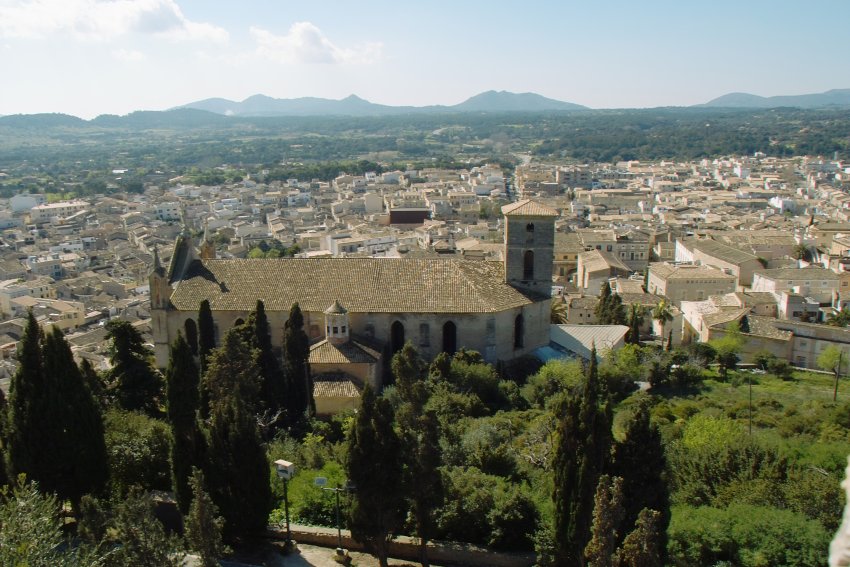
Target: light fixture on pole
[
  {"x": 285, "y": 472},
  {"x": 321, "y": 482}
]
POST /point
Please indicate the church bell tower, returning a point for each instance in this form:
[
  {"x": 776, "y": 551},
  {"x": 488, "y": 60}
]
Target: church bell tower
[{"x": 529, "y": 246}]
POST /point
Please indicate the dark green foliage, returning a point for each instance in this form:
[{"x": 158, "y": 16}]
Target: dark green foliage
[
  {"x": 30, "y": 531},
  {"x": 138, "y": 448},
  {"x": 257, "y": 335},
  {"x": 745, "y": 535},
  {"x": 375, "y": 468},
  {"x": 237, "y": 470},
  {"x": 486, "y": 509},
  {"x": 231, "y": 371},
  {"x": 55, "y": 433},
  {"x": 206, "y": 333},
  {"x": 296, "y": 354},
  {"x": 203, "y": 525},
  {"x": 94, "y": 383},
  {"x": 191, "y": 329},
  {"x": 610, "y": 309},
  {"x": 134, "y": 382},
  {"x": 635, "y": 321},
  {"x": 183, "y": 398},
  {"x": 582, "y": 449},
  {"x": 639, "y": 459},
  {"x": 142, "y": 538}
]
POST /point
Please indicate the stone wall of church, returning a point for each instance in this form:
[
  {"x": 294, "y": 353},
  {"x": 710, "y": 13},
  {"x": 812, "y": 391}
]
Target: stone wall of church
[{"x": 491, "y": 334}]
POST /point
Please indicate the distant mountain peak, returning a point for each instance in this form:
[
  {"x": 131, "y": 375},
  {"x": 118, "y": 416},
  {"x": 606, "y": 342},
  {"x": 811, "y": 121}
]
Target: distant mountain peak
[{"x": 833, "y": 97}]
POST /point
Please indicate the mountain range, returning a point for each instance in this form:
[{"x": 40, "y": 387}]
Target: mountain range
[{"x": 834, "y": 97}]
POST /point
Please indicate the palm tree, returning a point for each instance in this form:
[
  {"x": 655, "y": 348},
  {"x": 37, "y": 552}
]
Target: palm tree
[
  {"x": 662, "y": 314},
  {"x": 558, "y": 311}
]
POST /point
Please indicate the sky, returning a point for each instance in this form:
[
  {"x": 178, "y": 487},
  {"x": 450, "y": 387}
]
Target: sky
[{"x": 91, "y": 57}]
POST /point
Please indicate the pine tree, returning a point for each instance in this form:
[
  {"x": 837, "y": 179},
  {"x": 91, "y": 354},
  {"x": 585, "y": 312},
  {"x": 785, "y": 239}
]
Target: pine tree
[
  {"x": 640, "y": 460},
  {"x": 93, "y": 382},
  {"x": 582, "y": 450},
  {"x": 203, "y": 524},
  {"x": 206, "y": 333},
  {"x": 644, "y": 546},
  {"x": 137, "y": 385},
  {"x": 231, "y": 371},
  {"x": 375, "y": 467},
  {"x": 296, "y": 354},
  {"x": 607, "y": 517},
  {"x": 142, "y": 538},
  {"x": 183, "y": 397}
]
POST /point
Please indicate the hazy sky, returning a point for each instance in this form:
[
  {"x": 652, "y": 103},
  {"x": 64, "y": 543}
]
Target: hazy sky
[{"x": 90, "y": 57}]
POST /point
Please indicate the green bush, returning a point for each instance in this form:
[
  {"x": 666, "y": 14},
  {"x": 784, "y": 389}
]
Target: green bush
[
  {"x": 138, "y": 450},
  {"x": 745, "y": 536}
]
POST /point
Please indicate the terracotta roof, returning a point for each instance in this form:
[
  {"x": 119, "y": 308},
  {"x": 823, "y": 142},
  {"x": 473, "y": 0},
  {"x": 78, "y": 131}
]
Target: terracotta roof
[
  {"x": 528, "y": 208},
  {"x": 335, "y": 385},
  {"x": 325, "y": 352},
  {"x": 363, "y": 285}
]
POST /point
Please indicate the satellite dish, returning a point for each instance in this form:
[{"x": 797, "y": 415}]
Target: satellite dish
[{"x": 320, "y": 481}]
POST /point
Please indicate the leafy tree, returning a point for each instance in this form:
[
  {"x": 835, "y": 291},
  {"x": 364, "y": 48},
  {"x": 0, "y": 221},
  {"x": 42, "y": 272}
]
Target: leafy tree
[
  {"x": 607, "y": 517},
  {"x": 135, "y": 382},
  {"x": 639, "y": 459},
  {"x": 203, "y": 525},
  {"x": 142, "y": 538},
  {"x": 183, "y": 397},
  {"x": 840, "y": 319},
  {"x": 832, "y": 359},
  {"x": 643, "y": 547},
  {"x": 30, "y": 531},
  {"x": 727, "y": 348},
  {"x": 582, "y": 450},
  {"x": 206, "y": 333},
  {"x": 296, "y": 354},
  {"x": 375, "y": 467},
  {"x": 138, "y": 448}
]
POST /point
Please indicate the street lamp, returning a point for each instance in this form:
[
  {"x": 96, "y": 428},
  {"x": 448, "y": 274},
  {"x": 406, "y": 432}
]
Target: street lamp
[
  {"x": 285, "y": 472},
  {"x": 321, "y": 481}
]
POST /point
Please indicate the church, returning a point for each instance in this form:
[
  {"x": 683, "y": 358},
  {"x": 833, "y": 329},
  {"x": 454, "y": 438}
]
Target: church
[{"x": 358, "y": 310}]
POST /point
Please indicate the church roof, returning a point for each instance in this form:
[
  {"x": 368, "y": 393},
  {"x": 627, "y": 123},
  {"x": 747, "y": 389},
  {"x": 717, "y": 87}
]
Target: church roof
[
  {"x": 325, "y": 352},
  {"x": 528, "y": 208},
  {"x": 335, "y": 385},
  {"x": 363, "y": 285}
]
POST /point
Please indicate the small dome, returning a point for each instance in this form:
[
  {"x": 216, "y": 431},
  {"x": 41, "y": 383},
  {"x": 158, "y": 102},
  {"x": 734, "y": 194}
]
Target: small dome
[{"x": 336, "y": 309}]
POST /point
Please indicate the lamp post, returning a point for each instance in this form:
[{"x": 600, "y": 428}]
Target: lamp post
[
  {"x": 285, "y": 471},
  {"x": 321, "y": 482}
]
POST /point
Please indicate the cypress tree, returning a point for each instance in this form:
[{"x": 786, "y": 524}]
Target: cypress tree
[
  {"x": 643, "y": 547},
  {"x": 183, "y": 397},
  {"x": 258, "y": 335},
  {"x": 640, "y": 460},
  {"x": 206, "y": 333},
  {"x": 635, "y": 321},
  {"x": 236, "y": 465},
  {"x": 93, "y": 382},
  {"x": 203, "y": 524},
  {"x": 192, "y": 335},
  {"x": 607, "y": 517},
  {"x": 29, "y": 433},
  {"x": 296, "y": 354},
  {"x": 375, "y": 467},
  {"x": 582, "y": 450},
  {"x": 237, "y": 469},
  {"x": 603, "y": 308},
  {"x": 136, "y": 383},
  {"x": 80, "y": 459}
]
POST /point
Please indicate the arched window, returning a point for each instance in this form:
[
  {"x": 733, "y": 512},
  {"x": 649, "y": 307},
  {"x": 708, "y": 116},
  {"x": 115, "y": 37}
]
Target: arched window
[
  {"x": 529, "y": 227},
  {"x": 396, "y": 336},
  {"x": 238, "y": 322},
  {"x": 519, "y": 331},
  {"x": 449, "y": 337},
  {"x": 528, "y": 265},
  {"x": 529, "y": 232}
]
